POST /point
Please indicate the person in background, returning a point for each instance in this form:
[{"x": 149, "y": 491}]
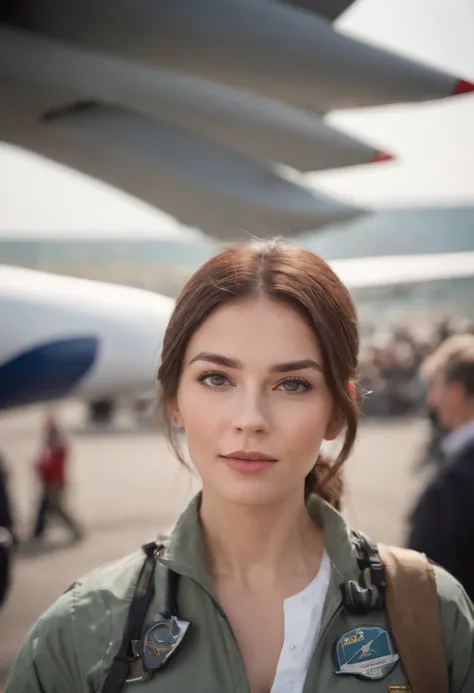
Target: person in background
[
  {"x": 51, "y": 470},
  {"x": 8, "y": 539},
  {"x": 442, "y": 524},
  {"x": 6, "y": 507}
]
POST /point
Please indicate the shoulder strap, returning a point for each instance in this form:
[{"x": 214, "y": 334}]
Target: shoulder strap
[
  {"x": 412, "y": 606},
  {"x": 142, "y": 598}
]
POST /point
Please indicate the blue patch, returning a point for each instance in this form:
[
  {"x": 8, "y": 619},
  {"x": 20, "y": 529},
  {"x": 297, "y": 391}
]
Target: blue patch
[
  {"x": 46, "y": 372},
  {"x": 366, "y": 652}
]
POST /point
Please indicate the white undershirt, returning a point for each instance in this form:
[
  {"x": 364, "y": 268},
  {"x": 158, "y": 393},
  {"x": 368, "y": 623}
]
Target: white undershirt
[{"x": 302, "y": 614}]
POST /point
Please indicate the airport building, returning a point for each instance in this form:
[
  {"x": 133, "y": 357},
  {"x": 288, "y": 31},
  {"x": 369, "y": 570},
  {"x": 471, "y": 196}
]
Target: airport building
[{"x": 164, "y": 265}]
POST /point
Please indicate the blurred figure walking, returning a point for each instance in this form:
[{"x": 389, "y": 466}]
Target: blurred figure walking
[
  {"x": 51, "y": 470},
  {"x": 7, "y": 532},
  {"x": 442, "y": 524},
  {"x": 6, "y": 505}
]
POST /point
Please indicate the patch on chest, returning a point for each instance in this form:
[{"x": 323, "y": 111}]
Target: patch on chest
[
  {"x": 399, "y": 689},
  {"x": 368, "y": 653}
]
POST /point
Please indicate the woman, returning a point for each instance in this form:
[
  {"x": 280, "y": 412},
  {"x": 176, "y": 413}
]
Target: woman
[{"x": 258, "y": 368}]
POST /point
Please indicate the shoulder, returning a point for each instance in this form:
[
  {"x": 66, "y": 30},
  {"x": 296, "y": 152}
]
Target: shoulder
[
  {"x": 68, "y": 645},
  {"x": 406, "y": 570},
  {"x": 455, "y": 610},
  {"x": 452, "y": 597},
  {"x": 109, "y": 579},
  {"x": 453, "y": 600},
  {"x": 457, "y": 623},
  {"x": 98, "y": 602}
]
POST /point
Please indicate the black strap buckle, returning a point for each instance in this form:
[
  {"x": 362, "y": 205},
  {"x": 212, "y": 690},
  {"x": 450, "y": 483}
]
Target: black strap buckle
[{"x": 368, "y": 594}]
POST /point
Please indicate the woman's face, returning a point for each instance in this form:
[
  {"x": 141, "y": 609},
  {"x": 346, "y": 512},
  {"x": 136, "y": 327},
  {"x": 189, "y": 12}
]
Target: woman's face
[{"x": 252, "y": 384}]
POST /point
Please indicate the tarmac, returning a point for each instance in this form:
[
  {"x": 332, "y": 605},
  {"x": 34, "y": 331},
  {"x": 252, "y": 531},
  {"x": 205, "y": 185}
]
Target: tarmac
[{"x": 126, "y": 487}]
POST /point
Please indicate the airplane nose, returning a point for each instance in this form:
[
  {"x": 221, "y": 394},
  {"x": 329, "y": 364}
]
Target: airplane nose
[{"x": 46, "y": 372}]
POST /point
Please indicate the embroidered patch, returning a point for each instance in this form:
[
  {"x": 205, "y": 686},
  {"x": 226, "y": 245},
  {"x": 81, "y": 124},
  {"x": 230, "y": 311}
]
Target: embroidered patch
[
  {"x": 399, "y": 689},
  {"x": 367, "y": 653},
  {"x": 161, "y": 640}
]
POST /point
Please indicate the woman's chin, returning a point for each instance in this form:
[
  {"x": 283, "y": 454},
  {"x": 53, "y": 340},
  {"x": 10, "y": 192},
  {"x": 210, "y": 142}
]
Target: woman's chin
[{"x": 251, "y": 492}]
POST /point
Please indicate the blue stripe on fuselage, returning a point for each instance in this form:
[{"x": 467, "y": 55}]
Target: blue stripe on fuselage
[{"x": 46, "y": 372}]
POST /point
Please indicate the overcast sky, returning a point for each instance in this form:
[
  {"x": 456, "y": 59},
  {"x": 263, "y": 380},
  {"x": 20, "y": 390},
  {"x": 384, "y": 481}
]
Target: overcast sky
[{"x": 434, "y": 142}]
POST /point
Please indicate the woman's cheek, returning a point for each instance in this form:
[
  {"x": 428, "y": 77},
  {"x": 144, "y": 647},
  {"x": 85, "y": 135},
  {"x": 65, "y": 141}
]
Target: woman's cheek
[{"x": 305, "y": 430}]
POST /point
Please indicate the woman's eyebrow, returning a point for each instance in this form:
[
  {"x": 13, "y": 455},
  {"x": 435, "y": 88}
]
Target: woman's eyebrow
[
  {"x": 228, "y": 362},
  {"x": 295, "y": 366},
  {"x": 218, "y": 359}
]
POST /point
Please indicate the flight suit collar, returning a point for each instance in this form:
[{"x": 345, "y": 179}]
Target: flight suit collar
[
  {"x": 337, "y": 538},
  {"x": 185, "y": 550}
]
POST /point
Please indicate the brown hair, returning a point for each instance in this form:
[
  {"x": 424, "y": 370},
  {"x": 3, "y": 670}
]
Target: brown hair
[
  {"x": 300, "y": 279},
  {"x": 454, "y": 361}
]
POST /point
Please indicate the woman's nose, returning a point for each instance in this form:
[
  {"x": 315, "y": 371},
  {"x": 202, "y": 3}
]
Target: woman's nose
[{"x": 252, "y": 415}]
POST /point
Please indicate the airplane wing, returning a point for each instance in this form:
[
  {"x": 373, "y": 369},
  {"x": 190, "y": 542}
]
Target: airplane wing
[
  {"x": 373, "y": 272},
  {"x": 258, "y": 128},
  {"x": 329, "y": 9},
  {"x": 188, "y": 104},
  {"x": 198, "y": 183},
  {"x": 262, "y": 46}
]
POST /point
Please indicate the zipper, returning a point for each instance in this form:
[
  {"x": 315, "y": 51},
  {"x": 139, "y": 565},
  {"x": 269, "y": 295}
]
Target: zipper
[
  {"x": 231, "y": 631},
  {"x": 328, "y": 626},
  {"x": 229, "y": 626}
]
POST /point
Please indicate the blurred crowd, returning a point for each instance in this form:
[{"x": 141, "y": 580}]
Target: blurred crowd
[{"x": 389, "y": 367}]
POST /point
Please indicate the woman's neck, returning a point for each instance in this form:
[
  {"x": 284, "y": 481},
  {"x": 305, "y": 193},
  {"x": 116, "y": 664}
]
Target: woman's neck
[{"x": 270, "y": 542}]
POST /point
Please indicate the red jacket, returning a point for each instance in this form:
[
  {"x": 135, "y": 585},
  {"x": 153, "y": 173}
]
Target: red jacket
[{"x": 51, "y": 465}]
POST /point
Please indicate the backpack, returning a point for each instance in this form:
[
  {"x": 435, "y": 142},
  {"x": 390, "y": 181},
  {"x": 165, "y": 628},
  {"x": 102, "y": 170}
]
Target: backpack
[
  {"x": 403, "y": 583},
  {"x": 411, "y": 602}
]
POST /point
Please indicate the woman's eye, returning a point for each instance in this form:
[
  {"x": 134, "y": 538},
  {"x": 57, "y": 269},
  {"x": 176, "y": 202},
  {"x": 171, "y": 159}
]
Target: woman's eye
[
  {"x": 213, "y": 379},
  {"x": 295, "y": 385}
]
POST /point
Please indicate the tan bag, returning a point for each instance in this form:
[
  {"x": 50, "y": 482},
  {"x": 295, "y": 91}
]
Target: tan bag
[{"x": 413, "y": 611}]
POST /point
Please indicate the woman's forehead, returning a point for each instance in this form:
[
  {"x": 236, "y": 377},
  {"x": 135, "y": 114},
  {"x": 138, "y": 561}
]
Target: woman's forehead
[{"x": 254, "y": 327}]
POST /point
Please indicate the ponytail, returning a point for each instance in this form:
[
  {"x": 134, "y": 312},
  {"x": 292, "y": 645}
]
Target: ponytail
[
  {"x": 326, "y": 477},
  {"x": 326, "y": 481}
]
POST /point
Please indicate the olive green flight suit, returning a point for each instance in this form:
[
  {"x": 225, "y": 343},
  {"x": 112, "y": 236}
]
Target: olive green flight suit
[{"x": 70, "y": 647}]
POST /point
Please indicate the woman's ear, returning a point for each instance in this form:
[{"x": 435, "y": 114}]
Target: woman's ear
[
  {"x": 175, "y": 414},
  {"x": 336, "y": 424},
  {"x": 334, "y": 428}
]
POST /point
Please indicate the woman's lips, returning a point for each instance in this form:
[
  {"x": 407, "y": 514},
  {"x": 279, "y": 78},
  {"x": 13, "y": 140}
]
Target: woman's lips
[{"x": 246, "y": 466}]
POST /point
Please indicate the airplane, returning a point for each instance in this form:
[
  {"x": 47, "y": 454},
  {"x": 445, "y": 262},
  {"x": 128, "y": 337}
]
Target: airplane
[
  {"x": 65, "y": 336},
  {"x": 99, "y": 342},
  {"x": 202, "y": 108}
]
